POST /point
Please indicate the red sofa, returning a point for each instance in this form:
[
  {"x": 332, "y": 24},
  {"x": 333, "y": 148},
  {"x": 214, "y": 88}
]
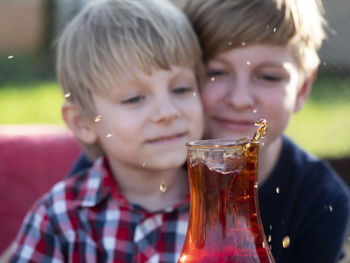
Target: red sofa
[{"x": 32, "y": 159}]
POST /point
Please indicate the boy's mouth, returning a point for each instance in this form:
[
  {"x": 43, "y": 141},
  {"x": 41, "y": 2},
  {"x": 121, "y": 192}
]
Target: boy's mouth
[{"x": 237, "y": 125}]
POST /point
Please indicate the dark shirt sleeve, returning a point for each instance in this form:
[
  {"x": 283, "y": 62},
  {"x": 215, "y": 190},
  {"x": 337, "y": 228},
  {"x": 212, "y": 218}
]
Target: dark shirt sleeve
[{"x": 80, "y": 165}]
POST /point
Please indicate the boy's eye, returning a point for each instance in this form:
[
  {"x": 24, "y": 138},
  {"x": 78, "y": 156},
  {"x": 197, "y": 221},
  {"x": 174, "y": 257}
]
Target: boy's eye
[
  {"x": 182, "y": 90},
  {"x": 270, "y": 78},
  {"x": 133, "y": 100},
  {"x": 217, "y": 73}
]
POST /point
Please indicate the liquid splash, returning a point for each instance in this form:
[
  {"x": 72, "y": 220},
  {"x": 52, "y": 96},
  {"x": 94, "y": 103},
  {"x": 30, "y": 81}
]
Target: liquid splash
[
  {"x": 259, "y": 133},
  {"x": 163, "y": 187},
  {"x": 286, "y": 242}
]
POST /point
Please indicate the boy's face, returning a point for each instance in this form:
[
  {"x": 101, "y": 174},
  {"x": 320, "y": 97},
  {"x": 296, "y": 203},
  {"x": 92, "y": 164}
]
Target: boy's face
[
  {"x": 147, "y": 121},
  {"x": 250, "y": 83}
]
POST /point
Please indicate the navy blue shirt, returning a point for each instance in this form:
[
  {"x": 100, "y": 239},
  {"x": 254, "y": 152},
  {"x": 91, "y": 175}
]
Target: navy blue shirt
[
  {"x": 303, "y": 204},
  {"x": 306, "y": 203}
]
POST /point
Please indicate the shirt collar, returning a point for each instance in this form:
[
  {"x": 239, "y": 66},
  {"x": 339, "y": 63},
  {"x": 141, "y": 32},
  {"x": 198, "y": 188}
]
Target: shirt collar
[{"x": 100, "y": 184}]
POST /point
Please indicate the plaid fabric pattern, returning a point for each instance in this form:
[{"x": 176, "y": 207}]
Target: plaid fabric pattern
[{"x": 85, "y": 219}]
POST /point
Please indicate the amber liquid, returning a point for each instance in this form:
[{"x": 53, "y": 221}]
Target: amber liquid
[{"x": 224, "y": 224}]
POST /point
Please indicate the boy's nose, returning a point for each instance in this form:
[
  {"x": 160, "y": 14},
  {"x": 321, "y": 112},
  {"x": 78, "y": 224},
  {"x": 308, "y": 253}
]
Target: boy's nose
[
  {"x": 165, "y": 110},
  {"x": 239, "y": 95}
]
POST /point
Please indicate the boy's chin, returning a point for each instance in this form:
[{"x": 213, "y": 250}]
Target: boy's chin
[{"x": 172, "y": 161}]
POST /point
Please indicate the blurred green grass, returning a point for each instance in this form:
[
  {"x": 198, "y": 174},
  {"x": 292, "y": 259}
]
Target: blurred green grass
[{"x": 322, "y": 126}]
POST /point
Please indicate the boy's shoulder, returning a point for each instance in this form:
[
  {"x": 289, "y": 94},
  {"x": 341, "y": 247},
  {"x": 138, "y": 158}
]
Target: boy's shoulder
[
  {"x": 83, "y": 189},
  {"x": 310, "y": 173}
]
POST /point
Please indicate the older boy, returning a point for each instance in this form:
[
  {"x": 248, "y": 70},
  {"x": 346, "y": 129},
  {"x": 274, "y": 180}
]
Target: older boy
[
  {"x": 129, "y": 70},
  {"x": 261, "y": 58}
]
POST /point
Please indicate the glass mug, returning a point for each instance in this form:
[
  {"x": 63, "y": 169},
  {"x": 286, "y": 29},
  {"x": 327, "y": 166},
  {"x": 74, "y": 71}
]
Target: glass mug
[{"x": 224, "y": 223}]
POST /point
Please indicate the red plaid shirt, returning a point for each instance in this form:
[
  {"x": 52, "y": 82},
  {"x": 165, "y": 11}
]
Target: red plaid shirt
[{"x": 85, "y": 219}]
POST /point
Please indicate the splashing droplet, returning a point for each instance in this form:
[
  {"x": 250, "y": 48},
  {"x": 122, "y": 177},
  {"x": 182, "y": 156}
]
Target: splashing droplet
[
  {"x": 286, "y": 242},
  {"x": 98, "y": 118},
  {"x": 229, "y": 43},
  {"x": 10, "y": 57},
  {"x": 109, "y": 135},
  {"x": 262, "y": 130},
  {"x": 163, "y": 187},
  {"x": 274, "y": 29},
  {"x": 255, "y": 110},
  {"x": 212, "y": 79},
  {"x": 262, "y": 144},
  {"x": 267, "y": 27},
  {"x": 270, "y": 227},
  {"x": 248, "y": 63},
  {"x": 243, "y": 44},
  {"x": 324, "y": 64},
  {"x": 144, "y": 165},
  {"x": 67, "y": 95},
  {"x": 194, "y": 94},
  {"x": 269, "y": 239},
  {"x": 330, "y": 208},
  {"x": 278, "y": 189},
  {"x": 256, "y": 185}
]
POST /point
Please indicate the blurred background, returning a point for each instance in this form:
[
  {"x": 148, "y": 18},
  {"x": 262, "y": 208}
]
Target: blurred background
[{"x": 29, "y": 92}]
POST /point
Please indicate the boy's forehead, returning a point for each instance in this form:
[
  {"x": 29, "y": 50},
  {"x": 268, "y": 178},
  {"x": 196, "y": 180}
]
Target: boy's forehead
[{"x": 137, "y": 75}]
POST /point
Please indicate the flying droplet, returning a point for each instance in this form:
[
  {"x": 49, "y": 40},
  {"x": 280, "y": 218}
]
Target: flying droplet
[
  {"x": 255, "y": 110},
  {"x": 267, "y": 27},
  {"x": 144, "y": 165},
  {"x": 256, "y": 185},
  {"x": 286, "y": 242},
  {"x": 163, "y": 187},
  {"x": 194, "y": 94},
  {"x": 243, "y": 44},
  {"x": 67, "y": 95},
  {"x": 278, "y": 189},
  {"x": 98, "y": 118},
  {"x": 274, "y": 29},
  {"x": 212, "y": 79},
  {"x": 270, "y": 227},
  {"x": 109, "y": 135},
  {"x": 262, "y": 144},
  {"x": 330, "y": 208},
  {"x": 248, "y": 63},
  {"x": 10, "y": 57},
  {"x": 324, "y": 64},
  {"x": 269, "y": 239}
]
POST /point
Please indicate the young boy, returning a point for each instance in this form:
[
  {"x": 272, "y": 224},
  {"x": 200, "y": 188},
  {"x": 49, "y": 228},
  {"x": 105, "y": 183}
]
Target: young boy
[
  {"x": 129, "y": 70},
  {"x": 261, "y": 58}
]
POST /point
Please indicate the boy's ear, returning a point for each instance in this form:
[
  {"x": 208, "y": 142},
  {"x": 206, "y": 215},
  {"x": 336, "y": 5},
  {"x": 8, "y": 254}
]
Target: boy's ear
[
  {"x": 78, "y": 123},
  {"x": 304, "y": 91}
]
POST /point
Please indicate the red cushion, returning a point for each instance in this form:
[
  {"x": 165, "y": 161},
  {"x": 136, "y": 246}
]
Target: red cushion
[{"x": 32, "y": 159}]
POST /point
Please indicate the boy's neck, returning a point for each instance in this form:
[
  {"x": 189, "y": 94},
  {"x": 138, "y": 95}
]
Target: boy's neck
[
  {"x": 268, "y": 158},
  {"x": 141, "y": 186}
]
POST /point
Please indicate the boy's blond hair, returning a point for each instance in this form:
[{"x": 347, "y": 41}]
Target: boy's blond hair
[
  {"x": 225, "y": 24},
  {"x": 109, "y": 39}
]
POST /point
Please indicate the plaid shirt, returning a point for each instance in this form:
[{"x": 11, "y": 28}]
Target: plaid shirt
[{"x": 85, "y": 219}]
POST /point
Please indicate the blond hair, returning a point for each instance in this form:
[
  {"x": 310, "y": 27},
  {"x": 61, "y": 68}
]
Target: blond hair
[
  {"x": 102, "y": 45},
  {"x": 225, "y": 24}
]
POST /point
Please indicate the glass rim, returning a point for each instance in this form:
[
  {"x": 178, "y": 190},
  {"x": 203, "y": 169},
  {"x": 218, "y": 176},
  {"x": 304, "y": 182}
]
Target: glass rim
[{"x": 220, "y": 143}]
